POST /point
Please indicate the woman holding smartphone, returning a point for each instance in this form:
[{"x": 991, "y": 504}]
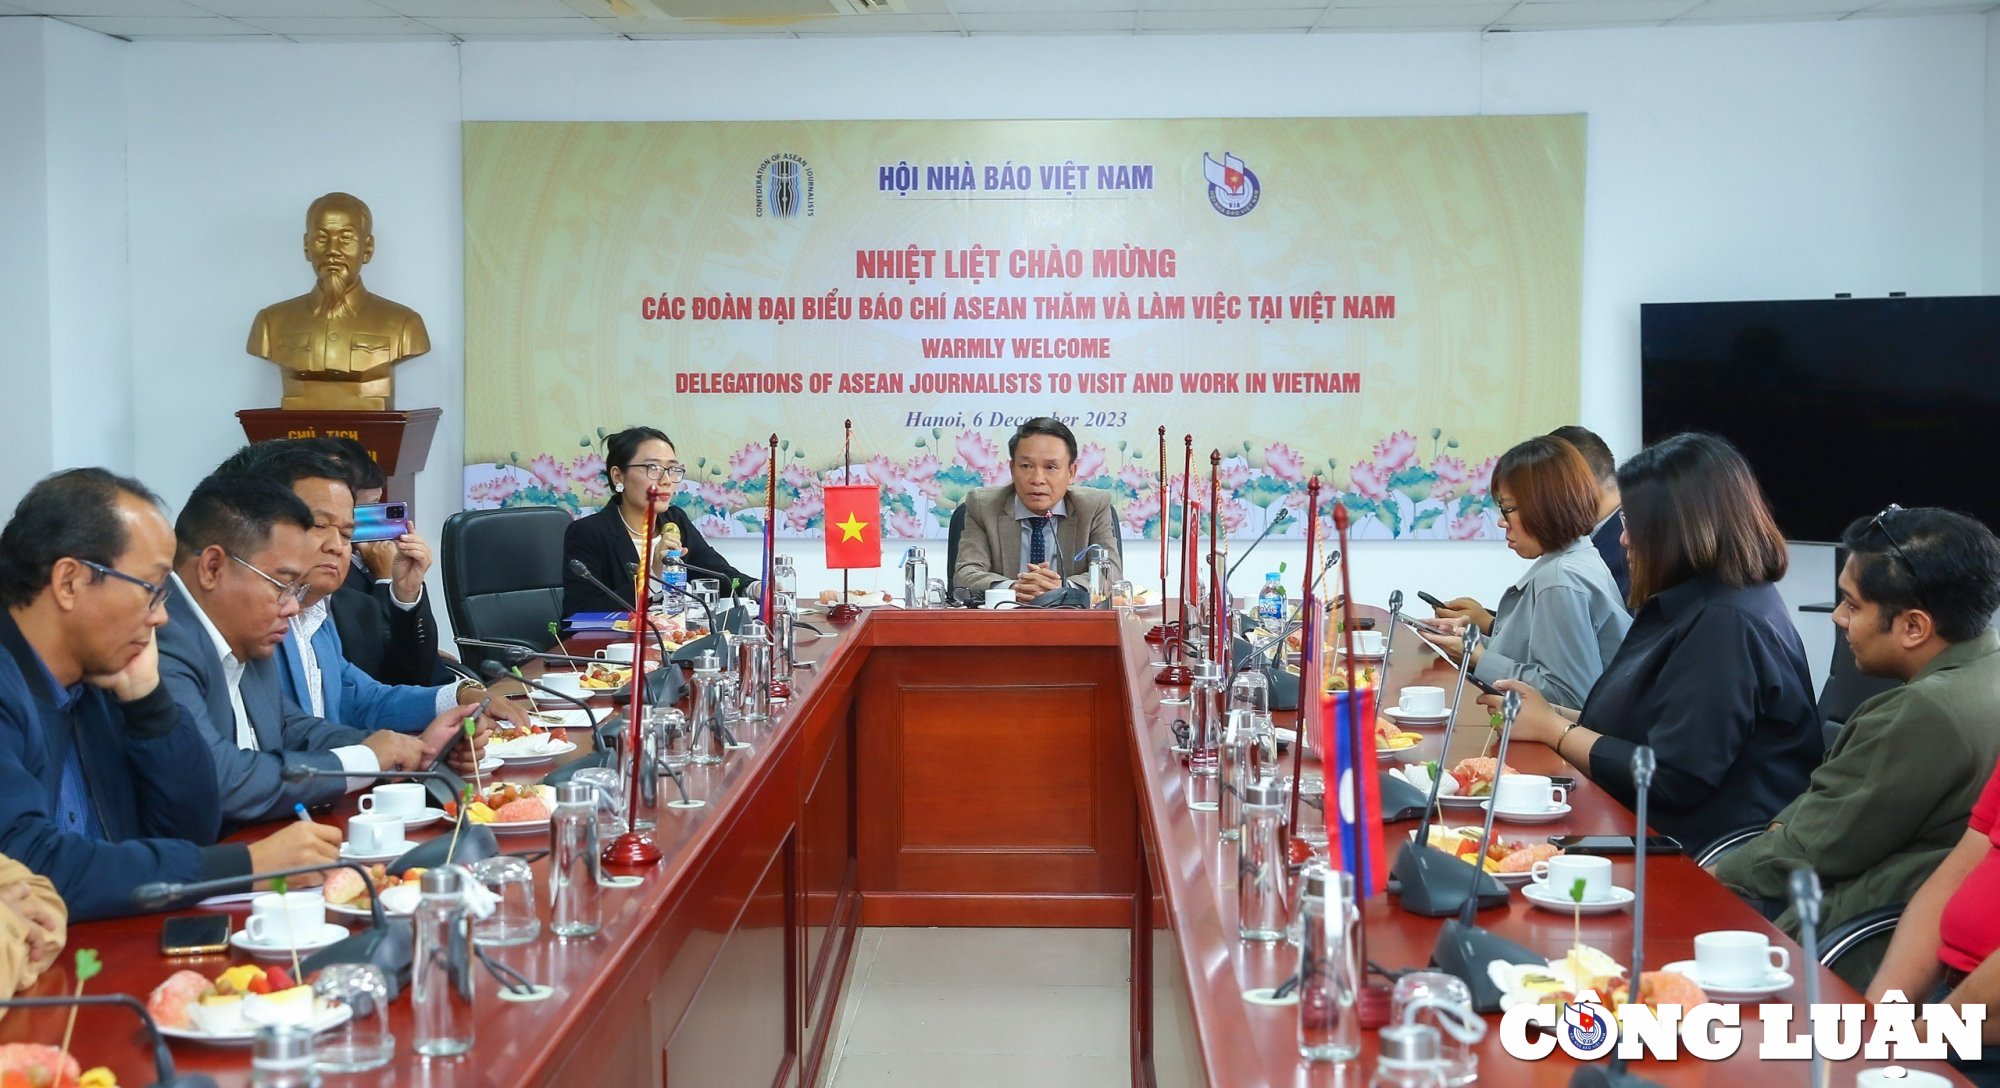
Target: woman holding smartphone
[
  {"x": 1562, "y": 621},
  {"x": 1712, "y": 674},
  {"x": 638, "y": 460}
]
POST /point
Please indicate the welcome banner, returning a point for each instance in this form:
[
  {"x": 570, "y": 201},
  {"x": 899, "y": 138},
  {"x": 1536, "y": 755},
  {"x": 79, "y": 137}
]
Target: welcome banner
[{"x": 1388, "y": 303}]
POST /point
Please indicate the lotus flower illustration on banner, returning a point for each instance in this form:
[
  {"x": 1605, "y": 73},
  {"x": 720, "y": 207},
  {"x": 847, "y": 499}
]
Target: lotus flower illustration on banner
[{"x": 1406, "y": 487}]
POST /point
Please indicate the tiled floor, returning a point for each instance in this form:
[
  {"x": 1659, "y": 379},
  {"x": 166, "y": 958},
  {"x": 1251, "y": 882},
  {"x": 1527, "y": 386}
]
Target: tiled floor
[{"x": 974, "y": 1008}]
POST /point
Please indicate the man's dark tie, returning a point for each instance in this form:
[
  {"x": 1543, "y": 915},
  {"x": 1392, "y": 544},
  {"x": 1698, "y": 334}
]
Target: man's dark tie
[{"x": 1038, "y": 545}]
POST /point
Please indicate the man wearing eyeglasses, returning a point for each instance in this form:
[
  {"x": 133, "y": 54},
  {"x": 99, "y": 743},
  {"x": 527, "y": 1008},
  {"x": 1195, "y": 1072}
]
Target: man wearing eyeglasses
[
  {"x": 1916, "y": 597},
  {"x": 106, "y": 783},
  {"x": 313, "y": 664},
  {"x": 242, "y": 559}
]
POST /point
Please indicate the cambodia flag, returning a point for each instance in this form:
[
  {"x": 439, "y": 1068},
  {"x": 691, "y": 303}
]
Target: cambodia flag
[
  {"x": 853, "y": 526},
  {"x": 1347, "y": 757}
]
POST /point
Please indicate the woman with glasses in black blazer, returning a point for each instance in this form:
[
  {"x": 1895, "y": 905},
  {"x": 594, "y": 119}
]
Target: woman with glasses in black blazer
[{"x": 638, "y": 461}]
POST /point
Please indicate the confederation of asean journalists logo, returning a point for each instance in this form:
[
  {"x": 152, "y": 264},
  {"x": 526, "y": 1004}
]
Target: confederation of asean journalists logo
[
  {"x": 1232, "y": 188},
  {"x": 1893, "y": 1031},
  {"x": 785, "y": 187}
]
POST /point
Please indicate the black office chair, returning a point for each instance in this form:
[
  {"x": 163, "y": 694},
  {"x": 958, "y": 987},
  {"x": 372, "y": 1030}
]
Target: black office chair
[
  {"x": 956, "y": 530},
  {"x": 1845, "y": 939},
  {"x": 503, "y": 576},
  {"x": 1847, "y": 687},
  {"x": 1722, "y": 844}
]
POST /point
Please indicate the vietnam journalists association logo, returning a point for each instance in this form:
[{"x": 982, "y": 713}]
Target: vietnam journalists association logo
[
  {"x": 785, "y": 187},
  {"x": 1232, "y": 188},
  {"x": 1587, "y": 1029}
]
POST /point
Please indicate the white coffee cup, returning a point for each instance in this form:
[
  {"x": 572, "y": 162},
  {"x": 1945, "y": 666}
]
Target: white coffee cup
[
  {"x": 618, "y": 654},
  {"x": 1422, "y": 702},
  {"x": 374, "y": 833},
  {"x": 1527, "y": 793},
  {"x": 999, "y": 595},
  {"x": 1560, "y": 874},
  {"x": 287, "y": 920},
  {"x": 394, "y": 799},
  {"x": 1368, "y": 644},
  {"x": 1737, "y": 957}
]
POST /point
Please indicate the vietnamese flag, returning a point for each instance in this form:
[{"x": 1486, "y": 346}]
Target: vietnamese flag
[{"x": 853, "y": 526}]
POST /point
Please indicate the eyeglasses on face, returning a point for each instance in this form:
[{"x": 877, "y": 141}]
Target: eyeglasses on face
[
  {"x": 156, "y": 592},
  {"x": 655, "y": 471},
  {"x": 295, "y": 591}
]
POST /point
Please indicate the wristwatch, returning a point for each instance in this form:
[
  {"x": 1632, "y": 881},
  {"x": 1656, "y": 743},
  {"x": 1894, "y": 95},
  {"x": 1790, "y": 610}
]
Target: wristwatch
[{"x": 465, "y": 686}]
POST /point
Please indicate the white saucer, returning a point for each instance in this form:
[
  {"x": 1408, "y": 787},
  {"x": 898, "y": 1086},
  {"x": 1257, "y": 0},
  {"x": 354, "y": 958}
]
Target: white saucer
[
  {"x": 328, "y": 934},
  {"x": 1361, "y": 657},
  {"x": 1773, "y": 982},
  {"x": 547, "y": 755},
  {"x": 422, "y": 818},
  {"x": 1513, "y": 880},
  {"x": 393, "y": 851},
  {"x": 1391, "y": 755},
  {"x": 1542, "y": 896},
  {"x": 1403, "y": 717},
  {"x": 1459, "y": 800},
  {"x": 333, "y": 1016},
  {"x": 1549, "y": 815}
]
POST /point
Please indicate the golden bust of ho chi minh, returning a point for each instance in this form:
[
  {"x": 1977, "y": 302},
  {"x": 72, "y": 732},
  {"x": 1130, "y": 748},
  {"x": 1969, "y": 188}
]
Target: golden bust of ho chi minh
[{"x": 337, "y": 342}]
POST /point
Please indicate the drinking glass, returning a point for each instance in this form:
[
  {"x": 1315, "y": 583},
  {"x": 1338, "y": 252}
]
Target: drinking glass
[
  {"x": 363, "y": 1041},
  {"x": 514, "y": 920},
  {"x": 1121, "y": 597},
  {"x": 1460, "y": 1064},
  {"x": 610, "y": 790},
  {"x": 1312, "y": 812}
]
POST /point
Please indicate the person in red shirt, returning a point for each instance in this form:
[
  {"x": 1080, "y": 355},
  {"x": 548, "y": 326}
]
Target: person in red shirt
[{"x": 1945, "y": 945}]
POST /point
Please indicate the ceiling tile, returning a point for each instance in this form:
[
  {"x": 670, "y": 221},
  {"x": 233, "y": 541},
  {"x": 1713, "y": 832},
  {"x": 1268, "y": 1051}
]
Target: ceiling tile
[
  {"x": 1416, "y": 17},
  {"x": 1000, "y": 7},
  {"x": 1932, "y": 8},
  {"x": 573, "y": 26},
  {"x": 876, "y": 24},
  {"x": 296, "y": 9},
  {"x": 1221, "y": 21},
  {"x": 1076, "y": 22},
  {"x": 1578, "y": 14},
  {"x": 63, "y": 9},
  {"x": 1233, "y": 5},
  {"x": 385, "y": 25},
  {"x": 1913, "y": 6},
  {"x": 691, "y": 28},
  {"x": 1775, "y": 9},
  {"x": 481, "y": 9},
  {"x": 144, "y": 27}
]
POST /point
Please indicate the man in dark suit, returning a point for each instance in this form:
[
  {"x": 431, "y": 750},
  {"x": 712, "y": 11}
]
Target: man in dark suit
[
  {"x": 1026, "y": 536},
  {"x": 1610, "y": 527},
  {"x": 382, "y": 611},
  {"x": 105, "y": 782},
  {"x": 241, "y": 568}
]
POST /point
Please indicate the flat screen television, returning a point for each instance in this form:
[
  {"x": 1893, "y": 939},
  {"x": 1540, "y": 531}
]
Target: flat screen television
[{"x": 1842, "y": 406}]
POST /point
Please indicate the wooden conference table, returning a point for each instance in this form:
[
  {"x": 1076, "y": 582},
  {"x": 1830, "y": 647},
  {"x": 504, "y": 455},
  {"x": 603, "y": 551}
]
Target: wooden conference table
[{"x": 935, "y": 768}]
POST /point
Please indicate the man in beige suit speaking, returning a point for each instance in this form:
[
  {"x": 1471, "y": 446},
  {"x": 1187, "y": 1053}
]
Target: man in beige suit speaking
[{"x": 1028, "y": 534}]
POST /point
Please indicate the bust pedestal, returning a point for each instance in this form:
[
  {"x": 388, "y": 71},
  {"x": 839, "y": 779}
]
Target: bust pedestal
[{"x": 399, "y": 441}]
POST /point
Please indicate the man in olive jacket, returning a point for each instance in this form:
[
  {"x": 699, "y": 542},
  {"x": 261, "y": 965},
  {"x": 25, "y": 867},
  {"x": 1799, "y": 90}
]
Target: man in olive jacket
[{"x": 1892, "y": 799}]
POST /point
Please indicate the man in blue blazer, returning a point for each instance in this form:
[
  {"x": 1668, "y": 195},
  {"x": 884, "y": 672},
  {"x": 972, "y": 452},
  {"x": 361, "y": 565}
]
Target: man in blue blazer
[
  {"x": 314, "y": 667},
  {"x": 105, "y": 782},
  {"x": 242, "y": 558}
]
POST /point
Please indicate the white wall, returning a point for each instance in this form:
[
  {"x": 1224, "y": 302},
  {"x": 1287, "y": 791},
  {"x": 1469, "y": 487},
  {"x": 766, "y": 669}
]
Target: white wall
[
  {"x": 1791, "y": 160},
  {"x": 26, "y": 453}
]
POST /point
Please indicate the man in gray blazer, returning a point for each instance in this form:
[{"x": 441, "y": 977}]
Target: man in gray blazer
[
  {"x": 1027, "y": 535},
  {"x": 238, "y": 579}
]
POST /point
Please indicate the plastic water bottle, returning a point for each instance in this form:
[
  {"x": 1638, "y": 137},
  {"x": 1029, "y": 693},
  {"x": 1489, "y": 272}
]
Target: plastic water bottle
[
  {"x": 574, "y": 908},
  {"x": 674, "y": 577},
  {"x": 1271, "y": 605}
]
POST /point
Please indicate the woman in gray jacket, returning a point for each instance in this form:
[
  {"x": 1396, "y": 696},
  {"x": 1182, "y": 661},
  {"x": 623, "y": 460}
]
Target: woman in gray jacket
[{"x": 1560, "y": 623}]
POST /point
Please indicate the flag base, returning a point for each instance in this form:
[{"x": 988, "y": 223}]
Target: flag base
[
  {"x": 1464, "y": 951},
  {"x": 1174, "y": 676},
  {"x": 631, "y": 849},
  {"x": 843, "y": 612},
  {"x": 1614, "y": 1075},
  {"x": 1374, "y": 1005},
  {"x": 1433, "y": 884}
]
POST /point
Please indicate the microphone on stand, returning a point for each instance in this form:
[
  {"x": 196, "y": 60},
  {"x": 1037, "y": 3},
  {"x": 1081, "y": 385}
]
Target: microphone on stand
[
  {"x": 163, "y": 1059},
  {"x": 1400, "y": 799},
  {"x": 1613, "y": 1074},
  {"x": 1284, "y": 515},
  {"x": 688, "y": 654},
  {"x": 604, "y": 737},
  {"x": 1462, "y": 948},
  {"x": 577, "y": 567},
  {"x": 1283, "y": 683},
  {"x": 1806, "y": 903},
  {"x": 1428, "y": 881},
  {"x": 389, "y": 945}
]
